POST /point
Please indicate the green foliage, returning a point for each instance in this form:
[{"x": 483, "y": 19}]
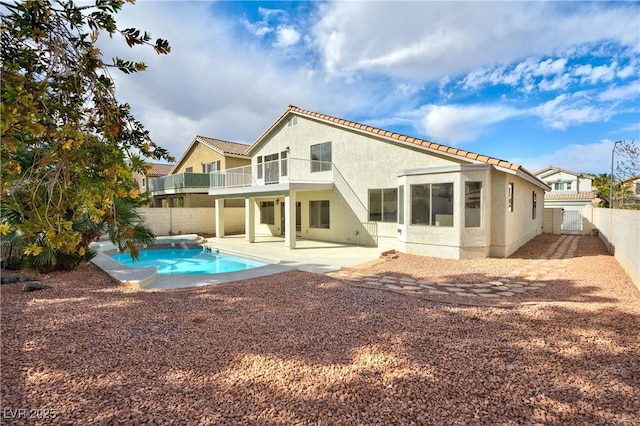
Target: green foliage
[{"x": 69, "y": 148}]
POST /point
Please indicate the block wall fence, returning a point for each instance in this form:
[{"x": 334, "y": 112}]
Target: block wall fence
[{"x": 192, "y": 220}]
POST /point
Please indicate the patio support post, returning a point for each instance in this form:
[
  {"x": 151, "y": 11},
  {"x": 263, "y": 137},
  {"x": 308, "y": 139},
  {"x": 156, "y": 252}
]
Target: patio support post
[
  {"x": 219, "y": 218},
  {"x": 249, "y": 219},
  {"x": 290, "y": 220}
]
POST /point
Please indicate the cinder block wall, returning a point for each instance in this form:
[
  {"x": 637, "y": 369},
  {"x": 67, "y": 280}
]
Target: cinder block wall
[
  {"x": 552, "y": 221},
  {"x": 620, "y": 230},
  {"x": 192, "y": 220}
]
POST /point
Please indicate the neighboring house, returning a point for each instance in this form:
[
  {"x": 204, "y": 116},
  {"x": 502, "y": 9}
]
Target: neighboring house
[
  {"x": 325, "y": 178},
  {"x": 187, "y": 185},
  {"x": 155, "y": 170},
  {"x": 570, "y": 191},
  {"x": 631, "y": 188}
]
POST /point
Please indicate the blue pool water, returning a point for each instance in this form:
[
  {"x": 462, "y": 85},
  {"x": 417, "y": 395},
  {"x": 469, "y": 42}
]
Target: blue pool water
[{"x": 187, "y": 261}]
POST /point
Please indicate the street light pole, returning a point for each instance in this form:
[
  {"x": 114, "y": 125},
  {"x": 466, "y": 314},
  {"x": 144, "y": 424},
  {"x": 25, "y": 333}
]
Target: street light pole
[{"x": 613, "y": 151}]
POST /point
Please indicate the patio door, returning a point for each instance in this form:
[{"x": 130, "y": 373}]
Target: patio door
[{"x": 298, "y": 219}]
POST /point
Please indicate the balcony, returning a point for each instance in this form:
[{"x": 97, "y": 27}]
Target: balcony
[
  {"x": 179, "y": 183},
  {"x": 271, "y": 176}
]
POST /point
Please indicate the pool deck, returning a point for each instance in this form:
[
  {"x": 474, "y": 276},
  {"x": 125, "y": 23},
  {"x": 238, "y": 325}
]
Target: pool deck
[{"x": 310, "y": 256}]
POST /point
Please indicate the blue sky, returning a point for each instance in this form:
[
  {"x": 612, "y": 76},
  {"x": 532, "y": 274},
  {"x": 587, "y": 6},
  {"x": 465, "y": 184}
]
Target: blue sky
[{"x": 536, "y": 83}]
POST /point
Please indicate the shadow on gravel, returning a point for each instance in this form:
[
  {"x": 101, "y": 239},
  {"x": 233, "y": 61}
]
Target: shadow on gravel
[{"x": 307, "y": 349}]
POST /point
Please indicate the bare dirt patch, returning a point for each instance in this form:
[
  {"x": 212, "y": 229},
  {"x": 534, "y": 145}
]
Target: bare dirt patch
[{"x": 299, "y": 348}]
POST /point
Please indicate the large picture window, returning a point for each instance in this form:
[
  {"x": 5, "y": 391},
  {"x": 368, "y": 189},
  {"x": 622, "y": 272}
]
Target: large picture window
[
  {"x": 383, "y": 205},
  {"x": 321, "y": 157},
  {"x": 473, "y": 204},
  {"x": 432, "y": 204},
  {"x": 267, "y": 213},
  {"x": 319, "y": 214}
]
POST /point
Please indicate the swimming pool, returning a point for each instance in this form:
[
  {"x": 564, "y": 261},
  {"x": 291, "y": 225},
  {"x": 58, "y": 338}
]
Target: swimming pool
[{"x": 187, "y": 261}]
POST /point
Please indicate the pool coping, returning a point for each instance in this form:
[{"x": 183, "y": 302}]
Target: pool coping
[{"x": 149, "y": 279}]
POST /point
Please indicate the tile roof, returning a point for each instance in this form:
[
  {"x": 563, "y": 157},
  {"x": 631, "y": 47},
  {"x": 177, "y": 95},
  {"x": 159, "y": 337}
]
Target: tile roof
[
  {"x": 567, "y": 196},
  {"x": 402, "y": 138},
  {"x": 158, "y": 169},
  {"x": 224, "y": 147},
  {"x": 558, "y": 169}
]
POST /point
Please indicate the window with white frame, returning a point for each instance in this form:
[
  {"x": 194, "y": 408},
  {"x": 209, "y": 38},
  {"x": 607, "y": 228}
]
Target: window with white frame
[
  {"x": 383, "y": 205},
  {"x": 319, "y": 214},
  {"x": 214, "y": 166},
  {"x": 472, "y": 204},
  {"x": 321, "y": 157},
  {"x": 432, "y": 204},
  {"x": 259, "y": 161}
]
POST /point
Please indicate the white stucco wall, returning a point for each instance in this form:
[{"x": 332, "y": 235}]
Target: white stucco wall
[
  {"x": 363, "y": 163},
  {"x": 620, "y": 230}
]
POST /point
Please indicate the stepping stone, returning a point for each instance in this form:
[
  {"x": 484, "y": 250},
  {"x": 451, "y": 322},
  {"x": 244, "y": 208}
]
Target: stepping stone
[
  {"x": 466, "y": 294},
  {"x": 411, "y": 287},
  {"x": 488, "y": 295},
  {"x": 480, "y": 290},
  {"x": 438, "y": 292},
  {"x": 427, "y": 286},
  {"x": 495, "y": 282},
  {"x": 388, "y": 281},
  {"x": 506, "y": 293},
  {"x": 452, "y": 289},
  {"x": 518, "y": 290},
  {"x": 464, "y": 285},
  {"x": 512, "y": 286},
  {"x": 483, "y": 285},
  {"x": 500, "y": 287},
  {"x": 392, "y": 287},
  {"x": 426, "y": 282}
]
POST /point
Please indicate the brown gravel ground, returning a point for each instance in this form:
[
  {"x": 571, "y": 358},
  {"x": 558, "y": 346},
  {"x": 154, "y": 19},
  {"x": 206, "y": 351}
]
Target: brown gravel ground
[{"x": 299, "y": 348}]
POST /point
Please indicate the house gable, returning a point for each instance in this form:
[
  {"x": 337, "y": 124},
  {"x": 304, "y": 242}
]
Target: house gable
[{"x": 204, "y": 150}]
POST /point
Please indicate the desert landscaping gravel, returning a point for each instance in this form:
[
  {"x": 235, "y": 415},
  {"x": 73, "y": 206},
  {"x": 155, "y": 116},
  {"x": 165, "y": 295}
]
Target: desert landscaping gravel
[{"x": 305, "y": 349}]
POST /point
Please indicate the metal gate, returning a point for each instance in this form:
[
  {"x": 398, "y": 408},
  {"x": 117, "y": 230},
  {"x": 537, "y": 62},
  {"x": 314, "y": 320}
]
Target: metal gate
[{"x": 571, "y": 222}]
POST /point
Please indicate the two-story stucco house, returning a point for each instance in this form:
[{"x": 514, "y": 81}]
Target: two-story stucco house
[
  {"x": 631, "y": 188},
  {"x": 187, "y": 185},
  {"x": 571, "y": 191},
  {"x": 324, "y": 178}
]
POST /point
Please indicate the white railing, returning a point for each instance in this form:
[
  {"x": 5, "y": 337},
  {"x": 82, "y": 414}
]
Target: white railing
[{"x": 273, "y": 172}]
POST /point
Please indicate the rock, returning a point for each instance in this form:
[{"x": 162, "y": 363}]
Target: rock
[
  {"x": 35, "y": 285},
  {"x": 11, "y": 279}
]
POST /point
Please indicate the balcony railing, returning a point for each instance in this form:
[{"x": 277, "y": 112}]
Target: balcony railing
[
  {"x": 273, "y": 172},
  {"x": 179, "y": 181}
]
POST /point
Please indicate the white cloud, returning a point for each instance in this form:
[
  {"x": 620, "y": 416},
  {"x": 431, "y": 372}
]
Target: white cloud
[
  {"x": 587, "y": 158},
  {"x": 623, "y": 93},
  {"x": 429, "y": 40},
  {"x": 455, "y": 124},
  {"x": 568, "y": 110},
  {"x": 286, "y": 36},
  {"x": 593, "y": 75}
]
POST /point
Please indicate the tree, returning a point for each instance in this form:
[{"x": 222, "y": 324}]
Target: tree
[{"x": 69, "y": 148}]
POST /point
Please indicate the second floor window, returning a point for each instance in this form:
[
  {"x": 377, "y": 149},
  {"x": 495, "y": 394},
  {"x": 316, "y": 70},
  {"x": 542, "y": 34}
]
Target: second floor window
[
  {"x": 214, "y": 166},
  {"x": 321, "y": 157}
]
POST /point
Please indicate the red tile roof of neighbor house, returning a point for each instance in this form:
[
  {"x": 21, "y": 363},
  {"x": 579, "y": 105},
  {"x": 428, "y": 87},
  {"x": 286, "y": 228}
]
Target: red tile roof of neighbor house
[
  {"x": 558, "y": 169},
  {"x": 402, "y": 138},
  {"x": 570, "y": 196},
  {"x": 158, "y": 169},
  {"x": 224, "y": 147}
]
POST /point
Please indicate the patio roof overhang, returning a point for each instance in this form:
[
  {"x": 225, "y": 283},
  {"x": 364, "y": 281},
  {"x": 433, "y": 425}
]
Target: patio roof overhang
[{"x": 269, "y": 190}]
